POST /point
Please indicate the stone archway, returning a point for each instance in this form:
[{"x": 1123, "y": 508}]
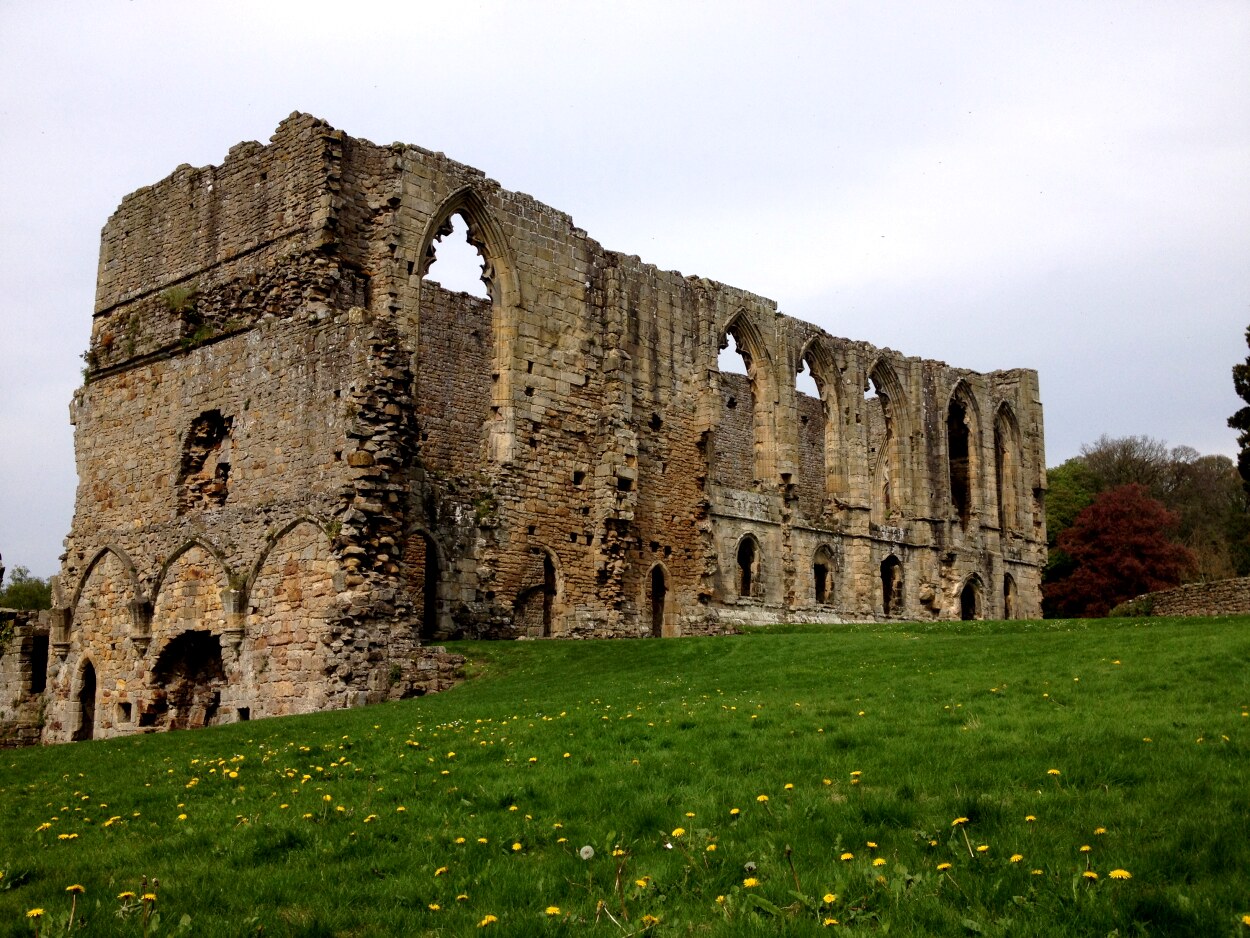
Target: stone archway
[{"x": 187, "y": 682}]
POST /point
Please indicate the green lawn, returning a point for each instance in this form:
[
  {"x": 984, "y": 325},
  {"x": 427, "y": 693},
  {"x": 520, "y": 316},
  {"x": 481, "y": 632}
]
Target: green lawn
[{"x": 726, "y": 785}]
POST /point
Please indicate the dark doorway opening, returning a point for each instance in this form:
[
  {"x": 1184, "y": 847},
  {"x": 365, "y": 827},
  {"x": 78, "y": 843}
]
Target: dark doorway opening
[
  {"x": 188, "y": 678},
  {"x": 659, "y": 590},
  {"x": 86, "y": 704},
  {"x": 970, "y": 601},
  {"x": 891, "y": 586},
  {"x": 748, "y": 560}
]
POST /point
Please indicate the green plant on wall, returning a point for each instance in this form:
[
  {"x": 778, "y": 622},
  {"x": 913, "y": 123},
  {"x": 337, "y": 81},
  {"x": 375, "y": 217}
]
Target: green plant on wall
[{"x": 181, "y": 298}]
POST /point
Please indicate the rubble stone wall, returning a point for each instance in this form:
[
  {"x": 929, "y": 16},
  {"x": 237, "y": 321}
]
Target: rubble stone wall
[
  {"x": 1221, "y": 598},
  {"x": 302, "y": 459}
]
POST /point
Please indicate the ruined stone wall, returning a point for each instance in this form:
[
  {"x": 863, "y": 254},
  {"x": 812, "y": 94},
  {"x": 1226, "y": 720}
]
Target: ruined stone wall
[
  {"x": 301, "y": 458},
  {"x": 1221, "y": 598},
  {"x": 23, "y": 676}
]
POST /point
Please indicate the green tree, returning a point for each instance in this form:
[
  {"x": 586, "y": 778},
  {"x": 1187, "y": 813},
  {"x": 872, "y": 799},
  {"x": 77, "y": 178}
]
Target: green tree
[
  {"x": 1240, "y": 421},
  {"x": 25, "y": 591}
]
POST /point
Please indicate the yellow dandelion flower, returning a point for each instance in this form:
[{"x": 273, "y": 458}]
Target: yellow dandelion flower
[
  {"x": 440, "y": 871},
  {"x": 734, "y": 812},
  {"x": 552, "y": 910},
  {"x": 678, "y": 831},
  {"x": 618, "y": 852},
  {"x": 711, "y": 848},
  {"x": 1084, "y": 848},
  {"x": 1053, "y": 772},
  {"x": 847, "y": 856},
  {"x": 829, "y": 898},
  {"x": 943, "y": 867},
  {"x": 649, "y": 920},
  {"x": 463, "y": 897},
  {"x": 1017, "y": 857},
  {"x": 1035, "y": 872},
  {"x": 762, "y": 799},
  {"x": 720, "y": 900},
  {"x": 370, "y": 818},
  {"x": 1030, "y": 818},
  {"x": 459, "y": 840},
  {"x": 856, "y": 774},
  {"x": 641, "y": 883},
  {"x": 400, "y": 809},
  {"x": 827, "y": 923},
  {"x": 1099, "y": 830},
  {"x": 35, "y": 913},
  {"x": 880, "y": 861},
  {"x": 43, "y": 827},
  {"x": 1120, "y": 874},
  {"x": 1089, "y": 874},
  {"x": 513, "y": 807},
  {"x": 483, "y": 840},
  {"x": 958, "y": 821},
  {"x": 689, "y": 814},
  {"x": 516, "y": 847},
  {"x": 826, "y": 781},
  {"x": 434, "y": 906},
  {"x": 872, "y": 844},
  {"x": 487, "y": 920},
  {"x": 789, "y": 786},
  {"x": 982, "y": 848},
  {"x": 562, "y": 840},
  {"x": 76, "y": 889},
  {"x": 125, "y": 896},
  {"x": 533, "y": 758},
  {"x": 750, "y": 882},
  {"x": 566, "y": 755},
  {"x": 1245, "y": 919}
]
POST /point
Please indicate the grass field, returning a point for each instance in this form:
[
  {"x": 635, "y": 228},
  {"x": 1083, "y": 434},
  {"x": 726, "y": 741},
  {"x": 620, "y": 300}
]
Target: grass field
[{"x": 1022, "y": 778}]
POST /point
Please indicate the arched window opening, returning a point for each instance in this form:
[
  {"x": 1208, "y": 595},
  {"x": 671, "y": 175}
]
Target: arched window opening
[
  {"x": 970, "y": 600},
  {"x": 86, "y": 704},
  {"x": 748, "y": 567},
  {"x": 812, "y": 411},
  {"x": 1009, "y": 596},
  {"x": 805, "y": 380},
  {"x": 455, "y": 262},
  {"x": 188, "y": 677},
  {"x": 957, "y": 454},
  {"x": 659, "y": 591},
  {"x": 891, "y": 586},
  {"x": 822, "y": 577},
  {"x": 882, "y": 450},
  {"x": 1006, "y": 472},
  {"x": 732, "y": 360}
]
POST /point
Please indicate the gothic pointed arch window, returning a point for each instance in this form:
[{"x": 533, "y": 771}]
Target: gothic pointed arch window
[
  {"x": 885, "y": 412},
  {"x": 962, "y": 453},
  {"x": 744, "y": 453},
  {"x": 822, "y": 470},
  {"x": 1007, "y": 474}
]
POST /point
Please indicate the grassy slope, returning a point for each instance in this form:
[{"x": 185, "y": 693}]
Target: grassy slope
[{"x": 956, "y": 720}]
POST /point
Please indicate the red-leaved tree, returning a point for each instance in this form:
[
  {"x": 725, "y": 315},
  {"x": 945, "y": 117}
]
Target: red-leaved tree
[{"x": 1120, "y": 548}]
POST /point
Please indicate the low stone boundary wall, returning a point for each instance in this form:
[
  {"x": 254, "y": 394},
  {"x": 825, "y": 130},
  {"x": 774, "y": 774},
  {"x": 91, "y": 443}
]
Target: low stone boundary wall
[{"x": 1220, "y": 598}]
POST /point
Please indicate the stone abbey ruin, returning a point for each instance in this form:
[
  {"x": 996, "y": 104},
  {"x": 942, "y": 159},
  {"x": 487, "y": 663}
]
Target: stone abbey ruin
[{"x": 302, "y": 462}]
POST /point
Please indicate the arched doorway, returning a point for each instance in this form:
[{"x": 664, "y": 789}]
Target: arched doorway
[
  {"x": 1009, "y": 596},
  {"x": 970, "y": 600},
  {"x": 188, "y": 677},
  {"x": 536, "y": 603},
  {"x": 86, "y": 704},
  {"x": 748, "y": 567},
  {"x": 659, "y": 592},
  {"x": 891, "y": 586},
  {"x": 822, "y": 576}
]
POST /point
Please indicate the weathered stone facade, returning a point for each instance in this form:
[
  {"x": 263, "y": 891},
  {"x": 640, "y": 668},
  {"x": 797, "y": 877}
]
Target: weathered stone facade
[{"x": 301, "y": 459}]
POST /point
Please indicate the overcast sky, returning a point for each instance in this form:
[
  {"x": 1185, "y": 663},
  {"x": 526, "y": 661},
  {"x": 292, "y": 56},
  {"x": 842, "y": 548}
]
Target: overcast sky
[{"x": 1055, "y": 185}]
